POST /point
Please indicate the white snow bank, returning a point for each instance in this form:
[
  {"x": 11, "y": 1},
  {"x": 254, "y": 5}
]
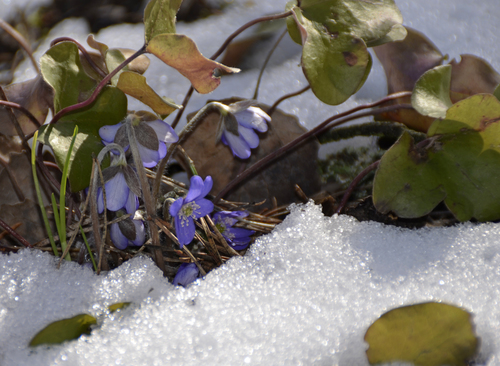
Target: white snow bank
[{"x": 304, "y": 294}]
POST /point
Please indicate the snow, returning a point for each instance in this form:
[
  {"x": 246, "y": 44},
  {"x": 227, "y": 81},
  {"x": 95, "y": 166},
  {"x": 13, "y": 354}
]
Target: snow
[{"x": 304, "y": 294}]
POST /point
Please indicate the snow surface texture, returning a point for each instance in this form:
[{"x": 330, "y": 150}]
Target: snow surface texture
[{"x": 304, "y": 294}]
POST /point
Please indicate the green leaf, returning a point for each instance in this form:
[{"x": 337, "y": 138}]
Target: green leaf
[
  {"x": 159, "y": 17},
  {"x": 496, "y": 93},
  {"x": 109, "y": 108},
  {"x": 181, "y": 53},
  {"x": 431, "y": 95},
  {"x": 375, "y": 22},
  {"x": 118, "y": 306},
  {"x": 336, "y": 66},
  {"x": 64, "y": 330},
  {"x": 428, "y": 334},
  {"x": 62, "y": 70},
  {"x": 460, "y": 163},
  {"x": 135, "y": 85}
]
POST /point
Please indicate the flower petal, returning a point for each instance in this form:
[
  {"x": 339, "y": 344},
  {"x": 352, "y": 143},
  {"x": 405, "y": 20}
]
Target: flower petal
[
  {"x": 239, "y": 234},
  {"x": 253, "y": 117},
  {"x": 238, "y": 146},
  {"x": 164, "y": 131},
  {"x": 108, "y": 132},
  {"x": 140, "y": 237},
  {"x": 202, "y": 207},
  {"x": 187, "y": 273},
  {"x": 249, "y": 136},
  {"x": 185, "y": 229},
  {"x": 149, "y": 157},
  {"x": 195, "y": 189},
  {"x": 132, "y": 203},
  {"x": 176, "y": 206},
  {"x": 118, "y": 239},
  {"x": 207, "y": 186},
  {"x": 100, "y": 200},
  {"x": 162, "y": 150},
  {"x": 116, "y": 192}
]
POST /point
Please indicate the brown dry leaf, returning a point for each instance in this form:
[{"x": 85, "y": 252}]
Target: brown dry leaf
[
  {"x": 472, "y": 75},
  {"x": 404, "y": 62},
  {"x": 28, "y": 214},
  {"x": 277, "y": 180},
  {"x": 34, "y": 95},
  {"x": 18, "y": 200}
]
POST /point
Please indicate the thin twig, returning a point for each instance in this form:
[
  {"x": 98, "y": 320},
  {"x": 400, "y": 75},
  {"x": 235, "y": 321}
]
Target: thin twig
[
  {"x": 219, "y": 52},
  {"x": 256, "y": 92},
  {"x": 318, "y": 129},
  {"x": 19, "y": 107},
  {"x": 285, "y": 97},
  {"x": 15, "y": 234},
  {"x": 354, "y": 183},
  {"x": 21, "y": 40}
]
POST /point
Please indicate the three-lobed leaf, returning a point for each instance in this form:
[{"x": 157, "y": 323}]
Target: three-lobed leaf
[
  {"x": 64, "y": 330},
  {"x": 459, "y": 163},
  {"x": 428, "y": 334}
]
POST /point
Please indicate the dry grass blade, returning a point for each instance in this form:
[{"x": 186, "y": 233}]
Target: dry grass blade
[{"x": 221, "y": 238}]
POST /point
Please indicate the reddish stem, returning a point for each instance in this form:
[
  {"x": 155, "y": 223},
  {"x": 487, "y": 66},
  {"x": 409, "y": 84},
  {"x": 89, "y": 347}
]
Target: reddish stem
[
  {"x": 82, "y": 50},
  {"x": 15, "y": 234},
  {"x": 354, "y": 183}
]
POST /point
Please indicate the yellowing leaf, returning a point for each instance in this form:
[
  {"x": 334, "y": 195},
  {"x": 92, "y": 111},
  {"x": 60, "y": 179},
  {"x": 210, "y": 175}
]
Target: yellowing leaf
[
  {"x": 135, "y": 85},
  {"x": 428, "y": 334},
  {"x": 181, "y": 53},
  {"x": 118, "y": 306},
  {"x": 159, "y": 17},
  {"x": 64, "y": 330}
]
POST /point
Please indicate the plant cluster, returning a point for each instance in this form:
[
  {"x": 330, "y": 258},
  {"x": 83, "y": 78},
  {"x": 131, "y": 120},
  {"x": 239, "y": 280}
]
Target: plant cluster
[{"x": 446, "y": 150}]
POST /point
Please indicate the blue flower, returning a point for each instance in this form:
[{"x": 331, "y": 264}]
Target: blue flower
[
  {"x": 240, "y": 136},
  {"x": 127, "y": 232},
  {"x": 152, "y": 134},
  {"x": 187, "y": 273},
  {"x": 237, "y": 238},
  {"x": 193, "y": 206},
  {"x": 122, "y": 187}
]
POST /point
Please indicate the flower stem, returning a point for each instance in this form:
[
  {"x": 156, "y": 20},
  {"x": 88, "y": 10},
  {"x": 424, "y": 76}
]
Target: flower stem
[
  {"x": 21, "y": 40},
  {"x": 149, "y": 202},
  {"x": 99, "y": 87},
  {"x": 349, "y": 116},
  {"x": 256, "y": 92},
  {"x": 285, "y": 97},
  {"x": 198, "y": 117}
]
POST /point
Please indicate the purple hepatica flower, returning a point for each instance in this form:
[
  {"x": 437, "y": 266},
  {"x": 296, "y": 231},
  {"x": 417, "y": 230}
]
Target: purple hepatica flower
[
  {"x": 187, "y": 273},
  {"x": 237, "y": 238},
  {"x": 127, "y": 232},
  {"x": 122, "y": 187},
  {"x": 193, "y": 206},
  {"x": 238, "y": 122},
  {"x": 152, "y": 136}
]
